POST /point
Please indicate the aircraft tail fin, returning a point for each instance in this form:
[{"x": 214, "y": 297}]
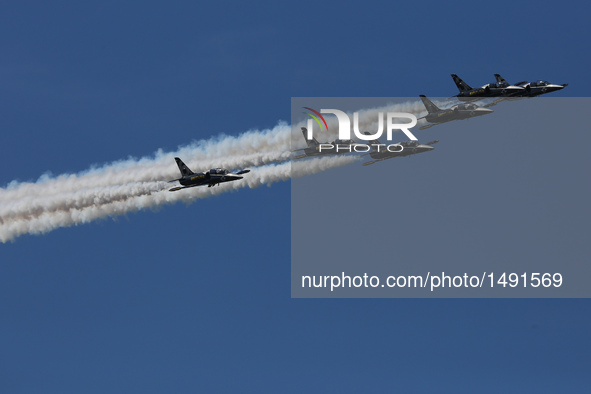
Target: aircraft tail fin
[
  {"x": 183, "y": 167},
  {"x": 311, "y": 143},
  {"x": 462, "y": 86},
  {"x": 431, "y": 108},
  {"x": 500, "y": 79}
]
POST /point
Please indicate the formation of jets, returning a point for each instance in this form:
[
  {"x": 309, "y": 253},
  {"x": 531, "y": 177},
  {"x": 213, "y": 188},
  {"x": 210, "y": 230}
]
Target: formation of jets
[
  {"x": 529, "y": 89},
  {"x": 500, "y": 90},
  {"x": 496, "y": 89},
  {"x": 532, "y": 89}
]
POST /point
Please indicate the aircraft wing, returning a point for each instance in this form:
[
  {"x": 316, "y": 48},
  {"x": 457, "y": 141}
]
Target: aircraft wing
[
  {"x": 174, "y": 189},
  {"x": 177, "y": 188},
  {"x": 495, "y": 102},
  {"x": 427, "y": 126}
]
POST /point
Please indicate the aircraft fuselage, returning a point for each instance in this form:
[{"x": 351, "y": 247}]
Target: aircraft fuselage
[
  {"x": 487, "y": 91},
  {"x": 534, "y": 89},
  {"x": 408, "y": 150},
  {"x": 206, "y": 178},
  {"x": 447, "y": 115}
]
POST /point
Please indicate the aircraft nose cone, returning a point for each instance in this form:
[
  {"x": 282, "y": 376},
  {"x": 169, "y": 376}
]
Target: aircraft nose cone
[
  {"x": 553, "y": 87},
  {"x": 483, "y": 111}
]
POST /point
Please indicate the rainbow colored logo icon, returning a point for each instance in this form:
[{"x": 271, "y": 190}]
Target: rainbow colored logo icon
[{"x": 316, "y": 117}]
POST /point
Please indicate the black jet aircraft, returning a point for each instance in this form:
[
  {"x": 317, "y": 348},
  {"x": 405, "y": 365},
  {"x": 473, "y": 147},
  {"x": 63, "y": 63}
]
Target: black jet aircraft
[
  {"x": 437, "y": 115},
  {"x": 337, "y": 147},
  {"x": 213, "y": 177},
  {"x": 532, "y": 89},
  {"x": 382, "y": 152},
  {"x": 498, "y": 89}
]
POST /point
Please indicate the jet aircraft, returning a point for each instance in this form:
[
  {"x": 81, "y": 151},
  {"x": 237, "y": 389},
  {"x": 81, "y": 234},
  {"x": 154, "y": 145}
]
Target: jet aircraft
[
  {"x": 498, "y": 89},
  {"x": 339, "y": 147},
  {"x": 382, "y": 152},
  {"x": 532, "y": 89},
  {"x": 437, "y": 115},
  {"x": 213, "y": 177}
]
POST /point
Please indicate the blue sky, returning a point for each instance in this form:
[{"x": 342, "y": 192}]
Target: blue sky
[{"x": 153, "y": 301}]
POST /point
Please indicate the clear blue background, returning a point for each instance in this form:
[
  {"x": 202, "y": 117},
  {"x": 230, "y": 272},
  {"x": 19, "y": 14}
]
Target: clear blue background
[{"x": 152, "y": 302}]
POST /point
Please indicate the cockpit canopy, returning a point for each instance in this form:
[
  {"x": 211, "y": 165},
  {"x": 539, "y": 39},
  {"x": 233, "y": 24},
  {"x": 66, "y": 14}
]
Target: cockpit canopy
[
  {"x": 467, "y": 107},
  {"x": 538, "y": 83},
  {"x": 343, "y": 142},
  {"x": 218, "y": 171},
  {"x": 409, "y": 143},
  {"x": 498, "y": 85}
]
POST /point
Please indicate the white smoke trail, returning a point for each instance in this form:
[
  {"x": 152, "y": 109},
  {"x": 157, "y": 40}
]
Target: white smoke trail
[
  {"x": 253, "y": 148},
  {"x": 87, "y": 205},
  {"x": 135, "y": 184}
]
